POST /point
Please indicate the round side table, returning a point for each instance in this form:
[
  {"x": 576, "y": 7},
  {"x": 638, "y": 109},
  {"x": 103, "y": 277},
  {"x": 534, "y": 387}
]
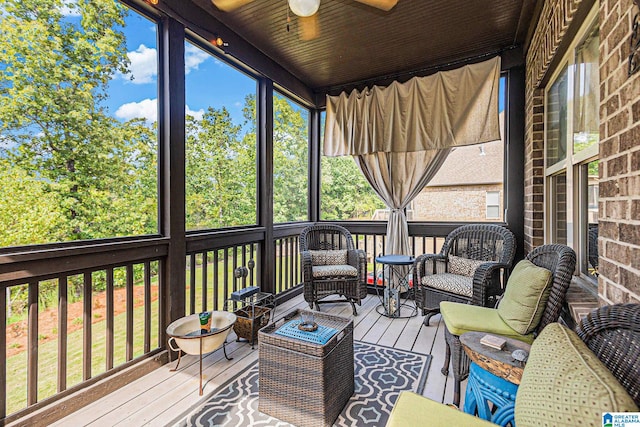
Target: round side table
[
  {"x": 494, "y": 377},
  {"x": 396, "y": 275}
]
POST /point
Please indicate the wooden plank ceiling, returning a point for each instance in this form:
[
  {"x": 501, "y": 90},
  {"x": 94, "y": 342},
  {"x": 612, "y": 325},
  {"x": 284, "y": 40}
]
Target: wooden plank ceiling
[{"x": 358, "y": 43}]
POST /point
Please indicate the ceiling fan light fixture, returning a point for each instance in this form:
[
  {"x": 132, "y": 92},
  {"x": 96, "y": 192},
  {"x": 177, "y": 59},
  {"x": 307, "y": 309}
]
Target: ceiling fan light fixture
[{"x": 304, "y": 7}]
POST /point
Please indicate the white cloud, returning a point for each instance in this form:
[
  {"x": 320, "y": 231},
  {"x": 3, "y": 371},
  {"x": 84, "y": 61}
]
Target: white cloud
[
  {"x": 196, "y": 114},
  {"x": 148, "y": 109},
  {"x": 144, "y": 65},
  {"x": 70, "y": 8},
  {"x": 193, "y": 57}
]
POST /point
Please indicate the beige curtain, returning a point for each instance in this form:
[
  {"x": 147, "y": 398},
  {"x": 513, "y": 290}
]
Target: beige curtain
[
  {"x": 400, "y": 135},
  {"x": 443, "y": 110},
  {"x": 398, "y": 178}
]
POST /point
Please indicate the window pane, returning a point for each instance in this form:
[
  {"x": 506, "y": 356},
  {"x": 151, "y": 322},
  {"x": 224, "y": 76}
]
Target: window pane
[
  {"x": 559, "y": 208},
  {"x": 290, "y": 160},
  {"x": 556, "y": 127},
  {"x": 78, "y": 155},
  {"x": 493, "y": 204},
  {"x": 586, "y": 94},
  {"x": 221, "y": 168},
  {"x": 345, "y": 193},
  {"x": 590, "y": 171}
]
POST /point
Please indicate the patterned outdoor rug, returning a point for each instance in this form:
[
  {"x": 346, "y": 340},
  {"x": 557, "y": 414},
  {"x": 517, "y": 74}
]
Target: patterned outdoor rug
[{"x": 381, "y": 373}]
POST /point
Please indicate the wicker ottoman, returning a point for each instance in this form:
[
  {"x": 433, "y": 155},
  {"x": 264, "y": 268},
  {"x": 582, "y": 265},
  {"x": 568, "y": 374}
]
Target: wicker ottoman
[{"x": 303, "y": 383}]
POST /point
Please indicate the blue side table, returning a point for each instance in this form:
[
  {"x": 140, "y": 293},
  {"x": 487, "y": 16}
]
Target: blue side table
[
  {"x": 484, "y": 387},
  {"x": 494, "y": 377}
]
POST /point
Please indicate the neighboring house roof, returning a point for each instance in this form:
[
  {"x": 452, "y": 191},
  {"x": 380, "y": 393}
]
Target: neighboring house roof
[{"x": 472, "y": 165}]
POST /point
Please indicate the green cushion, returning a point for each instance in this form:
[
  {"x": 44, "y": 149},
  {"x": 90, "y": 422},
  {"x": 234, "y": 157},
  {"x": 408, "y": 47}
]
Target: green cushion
[
  {"x": 525, "y": 297},
  {"x": 413, "y": 410},
  {"x": 461, "y": 318},
  {"x": 565, "y": 384}
]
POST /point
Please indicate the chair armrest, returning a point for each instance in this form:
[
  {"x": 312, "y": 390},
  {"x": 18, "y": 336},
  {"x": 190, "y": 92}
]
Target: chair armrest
[
  {"x": 486, "y": 283},
  {"x": 426, "y": 264},
  {"x": 307, "y": 272},
  {"x": 358, "y": 258}
]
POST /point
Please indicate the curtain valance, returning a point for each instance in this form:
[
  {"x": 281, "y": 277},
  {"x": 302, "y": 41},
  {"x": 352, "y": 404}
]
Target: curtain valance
[{"x": 443, "y": 110}]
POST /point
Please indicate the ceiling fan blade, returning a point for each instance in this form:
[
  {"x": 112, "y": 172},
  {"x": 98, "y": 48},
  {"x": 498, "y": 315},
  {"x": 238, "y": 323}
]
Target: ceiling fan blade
[
  {"x": 385, "y": 5},
  {"x": 229, "y": 5},
  {"x": 309, "y": 27}
]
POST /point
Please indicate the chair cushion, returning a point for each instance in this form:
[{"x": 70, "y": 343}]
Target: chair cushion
[
  {"x": 525, "y": 296},
  {"x": 454, "y": 283},
  {"x": 329, "y": 257},
  {"x": 326, "y": 271},
  {"x": 461, "y": 318},
  {"x": 463, "y": 266},
  {"x": 413, "y": 410},
  {"x": 565, "y": 384}
]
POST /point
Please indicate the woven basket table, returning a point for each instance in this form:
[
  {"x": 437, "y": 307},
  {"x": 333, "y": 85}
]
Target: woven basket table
[{"x": 304, "y": 383}]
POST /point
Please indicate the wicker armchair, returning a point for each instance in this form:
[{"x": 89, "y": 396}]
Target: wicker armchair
[
  {"x": 612, "y": 332},
  {"x": 331, "y": 265},
  {"x": 467, "y": 269},
  {"x": 561, "y": 261}
]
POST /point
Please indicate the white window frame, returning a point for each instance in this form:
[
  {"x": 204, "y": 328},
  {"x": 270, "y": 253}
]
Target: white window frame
[
  {"x": 576, "y": 220},
  {"x": 491, "y": 203}
]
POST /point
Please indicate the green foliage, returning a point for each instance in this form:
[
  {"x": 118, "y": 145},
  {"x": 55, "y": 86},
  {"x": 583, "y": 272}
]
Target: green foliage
[
  {"x": 53, "y": 79},
  {"x": 290, "y": 161},
  {"x": 221, "y": 172},
  {"x": 29, "y": 212},
  {"x": 346, "y": 194}
]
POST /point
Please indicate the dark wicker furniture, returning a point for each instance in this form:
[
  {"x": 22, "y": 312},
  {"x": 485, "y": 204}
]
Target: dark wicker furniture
[
  {"x": 561, "y": 261},
  {"x": 613, "y": 333},
  {"x": 481, "y": 242},
  {"x": 303, "y": 383},
  {"x": 323, "y": 237}
]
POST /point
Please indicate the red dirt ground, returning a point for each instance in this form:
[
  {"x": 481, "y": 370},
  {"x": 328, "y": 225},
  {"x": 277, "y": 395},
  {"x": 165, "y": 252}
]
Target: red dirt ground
[{"x": 48, "y": 319}]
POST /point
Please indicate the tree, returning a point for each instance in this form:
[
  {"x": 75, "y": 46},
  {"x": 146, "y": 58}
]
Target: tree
[
  {"x": 345, "y": 193},
  {"x": 53, "y": 77},
  {"x": 290, "y": 161},
  {"x": 221, "y": 172}
]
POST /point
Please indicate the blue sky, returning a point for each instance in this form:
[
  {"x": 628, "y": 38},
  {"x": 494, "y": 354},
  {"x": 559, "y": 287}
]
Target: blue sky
[{"x": 209, "y": 81}]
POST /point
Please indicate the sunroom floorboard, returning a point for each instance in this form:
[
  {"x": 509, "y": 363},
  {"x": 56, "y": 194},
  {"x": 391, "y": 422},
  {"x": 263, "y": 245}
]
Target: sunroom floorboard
[{"x": 161, "y": 396}]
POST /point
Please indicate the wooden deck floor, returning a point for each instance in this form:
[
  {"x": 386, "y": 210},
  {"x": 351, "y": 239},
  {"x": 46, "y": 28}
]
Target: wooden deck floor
[{"x": 159, "y": 397}]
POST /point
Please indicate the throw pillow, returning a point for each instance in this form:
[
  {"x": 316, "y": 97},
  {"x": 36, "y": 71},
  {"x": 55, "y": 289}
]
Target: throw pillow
[
  {"x": 329, "y": 257},
  {"x": 525, "y": 297},
  {"x": 565, "y": 384},
  {"x": 336, "y": 257},
  {"x": 463, "y": 266},
  {"x": 318, "y": 257}
]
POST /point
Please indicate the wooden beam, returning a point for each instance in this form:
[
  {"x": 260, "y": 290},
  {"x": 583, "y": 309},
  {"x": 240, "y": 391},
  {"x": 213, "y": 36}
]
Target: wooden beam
[
  {"x": 514, "y": 157},
  {"x": 266, "y": 266},
  {"x": 172, "y": 168}
]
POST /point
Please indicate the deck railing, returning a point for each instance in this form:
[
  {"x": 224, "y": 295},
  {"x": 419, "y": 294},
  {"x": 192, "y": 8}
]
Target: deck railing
[
  {"x": 94, "y": 309},
  {"x": 75, "y": 315}
]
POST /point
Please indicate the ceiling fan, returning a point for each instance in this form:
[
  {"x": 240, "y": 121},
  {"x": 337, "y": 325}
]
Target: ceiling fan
[{"x": 306, "y": 10}]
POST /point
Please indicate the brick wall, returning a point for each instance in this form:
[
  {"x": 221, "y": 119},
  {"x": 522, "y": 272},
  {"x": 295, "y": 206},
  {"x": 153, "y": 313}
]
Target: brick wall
[
  {"x": 619, "y": 244},
  {"x": 455, "y": 203}
]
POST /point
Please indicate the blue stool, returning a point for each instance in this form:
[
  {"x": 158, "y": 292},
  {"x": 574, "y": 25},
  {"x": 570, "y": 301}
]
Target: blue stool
[{"x": 484, "y": 387}]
